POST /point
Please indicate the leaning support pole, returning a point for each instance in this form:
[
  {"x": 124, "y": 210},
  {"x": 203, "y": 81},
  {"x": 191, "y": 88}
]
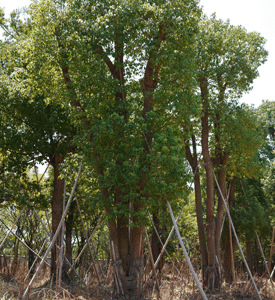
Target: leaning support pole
[
  {"x": 185, "y": 252},
  {"x": 54, "y": 237},
  {"x": 179, "y": 236},
  {"x": 49, "y": 235},
  {"x": 234, "y": 231}
]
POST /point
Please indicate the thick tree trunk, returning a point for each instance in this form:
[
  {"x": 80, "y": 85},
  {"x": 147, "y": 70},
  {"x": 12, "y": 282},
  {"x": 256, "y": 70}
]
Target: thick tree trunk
[
  {"x": 213, "y": 280},
  {"x": 128, "y": 265},
  {"x": 31, "y": 258},
  {"x": 193, "y": 161}
]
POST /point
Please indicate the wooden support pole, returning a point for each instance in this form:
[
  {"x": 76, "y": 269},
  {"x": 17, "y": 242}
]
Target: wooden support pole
[{"x": 61, "y": 251}]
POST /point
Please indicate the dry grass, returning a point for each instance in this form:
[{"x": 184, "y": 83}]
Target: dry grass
[{"x": 173, "y": 287}]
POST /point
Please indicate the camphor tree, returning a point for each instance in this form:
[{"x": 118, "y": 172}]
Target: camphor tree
[
  {"x": 127, "y": 67},
  {"x": 227, "y": 59}
]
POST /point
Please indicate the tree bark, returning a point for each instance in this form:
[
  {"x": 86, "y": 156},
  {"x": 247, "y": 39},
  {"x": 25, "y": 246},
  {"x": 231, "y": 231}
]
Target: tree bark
[
  {"x": 228, "y": 259},
  {"x": 69, "y": 230},
  {"x": 212, "y": 270},
  {"x": 249, "y": 255},
  {"x": 57, "y": 208},
  {"x": 193, "y": 161}
]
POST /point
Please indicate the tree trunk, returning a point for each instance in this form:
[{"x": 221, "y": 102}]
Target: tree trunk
[
  {"x": 193, "y": 161},
  {"x": 220, "y": 208},
  {"x": 57, "y": 208},
  {"x": 128, "y": 268},
  {"x": 69, "y": 230},
  {"x": 249, "y": 255},
  {"x": 227, "y": 262},
  {"x": 213, "y": 280}
]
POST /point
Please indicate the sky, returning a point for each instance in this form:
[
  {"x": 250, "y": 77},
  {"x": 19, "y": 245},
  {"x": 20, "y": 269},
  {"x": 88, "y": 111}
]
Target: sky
[{"x": 254, "y": 15}]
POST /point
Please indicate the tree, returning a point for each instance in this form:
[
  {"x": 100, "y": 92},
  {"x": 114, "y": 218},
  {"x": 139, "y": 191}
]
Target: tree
[
  {"x": 119, "y": 63},
  {"x": 227, "y": 60}
]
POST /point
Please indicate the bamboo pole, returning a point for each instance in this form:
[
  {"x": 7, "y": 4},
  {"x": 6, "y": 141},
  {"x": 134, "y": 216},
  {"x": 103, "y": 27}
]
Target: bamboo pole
[
  {"x": 260, "y": 246},
  {"x": 152, "y": 260},
  {"x": 240, "y": 248},
  {"x": 86, "y": 236},
  {"x": 54, "y": 237},
  {"x": 116, "y": 274}
]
